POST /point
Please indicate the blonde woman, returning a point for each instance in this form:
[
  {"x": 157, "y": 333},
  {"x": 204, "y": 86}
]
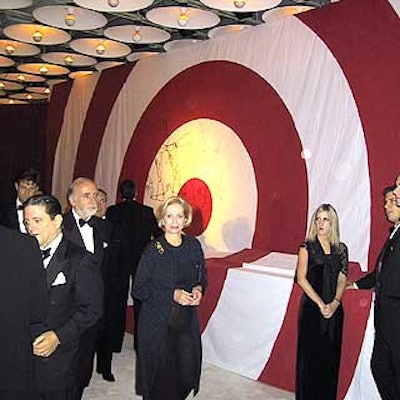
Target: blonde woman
[
  {"x": 321, "y": 274},
  {"x": 170, "y": 282}
]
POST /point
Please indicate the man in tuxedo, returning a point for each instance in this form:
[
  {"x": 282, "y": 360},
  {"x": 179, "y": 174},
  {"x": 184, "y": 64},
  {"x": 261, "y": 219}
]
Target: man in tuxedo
[
  {"x": 82, "y": 227},
  {"x": 23, "y": 303},
  {"x": 101, "y": 203},
  {"x": 26, "y": 185},
  {"x": 75, "y": 290},
  {"x": 134, "y": 225},
  {"x": 385, "y": 278}
]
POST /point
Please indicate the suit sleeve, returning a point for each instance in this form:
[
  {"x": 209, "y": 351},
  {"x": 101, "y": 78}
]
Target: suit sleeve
[
  {"x": 88, "y": 300},
  {"x": 38, "y": 291},
  {"x": 156, "y": 231},
  {"x": 368, "y": 281}
]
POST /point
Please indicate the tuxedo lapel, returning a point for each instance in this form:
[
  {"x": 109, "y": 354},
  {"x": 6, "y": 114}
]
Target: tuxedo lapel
[
  {"x": 71, "y": 229},
  {"x": 57, "y": 263},
  {"x": 388, "y": 246},
  {"x": 99, "y": 237},
  {"x": 98, "y": 243},
  {"x": 382, "y": 255}
]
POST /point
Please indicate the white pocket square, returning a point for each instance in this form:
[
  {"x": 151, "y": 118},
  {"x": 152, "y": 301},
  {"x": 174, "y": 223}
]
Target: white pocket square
[
  {"x": 105, "y": 245},
  {"x": 60, "y": 280}
]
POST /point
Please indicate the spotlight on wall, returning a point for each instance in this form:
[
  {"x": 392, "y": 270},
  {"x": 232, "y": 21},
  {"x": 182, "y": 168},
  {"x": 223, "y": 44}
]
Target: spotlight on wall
[
  {"x": 2, "y": 85},
  {"x": 136, "y": 34},
  {"x": 183, "y": 17},
  {"x": 9, "y": 49},
  {"x": 29, "y": 97},
  {"x": 239, "y": 3},
  {"x": 37, "y": 36},
  {"x": 47, "y": 91},
  {"x": 100, "y": 49},
  {"x": 113, "y": 3},
  {"x": 11, "y": 101},
  {"x": 70, "y": 18}
]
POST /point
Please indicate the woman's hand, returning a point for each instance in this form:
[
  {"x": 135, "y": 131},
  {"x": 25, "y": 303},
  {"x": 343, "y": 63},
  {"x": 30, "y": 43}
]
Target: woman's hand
[
  {"x": 330, "y": 309},
  {"x": 183, "y": 298},
  {"x": 323, "y": 308}
]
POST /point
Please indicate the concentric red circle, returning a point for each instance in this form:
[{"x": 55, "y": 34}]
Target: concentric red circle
[{"x": 198, "y": 195}]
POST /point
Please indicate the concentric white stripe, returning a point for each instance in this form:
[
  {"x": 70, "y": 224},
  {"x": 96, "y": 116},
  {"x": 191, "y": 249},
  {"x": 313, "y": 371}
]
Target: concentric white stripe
[
  {"x": 242, "y": 331},
  {"x": 67, "y": 147},
  {"x": 362, "y": 385}
]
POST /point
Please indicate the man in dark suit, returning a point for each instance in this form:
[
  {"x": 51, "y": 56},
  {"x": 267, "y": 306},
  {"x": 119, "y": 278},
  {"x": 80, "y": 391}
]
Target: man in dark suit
[
  {"x": 23, "y": 303},
  {"x": 134, "y": 225},
  {"x": 82, "y": 227},
  {"x": 26, "y": 185},
  {"x": 385, "y": 278},
  {"x": 75, "y": 290},
  {"x": 101, "y": 203}
]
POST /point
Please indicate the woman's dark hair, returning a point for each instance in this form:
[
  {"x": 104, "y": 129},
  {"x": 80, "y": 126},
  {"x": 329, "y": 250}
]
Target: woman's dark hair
[{"x": 51, "y": 205}]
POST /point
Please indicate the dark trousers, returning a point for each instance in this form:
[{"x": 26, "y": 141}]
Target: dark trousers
[
  {"x": 385, "y": 366},
  {"x": 103, "y": 358},
  {"x": 66, "y": 394},
  {"x": 85, "y": 357}
]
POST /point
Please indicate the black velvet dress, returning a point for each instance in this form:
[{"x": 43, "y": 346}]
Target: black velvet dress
[
  {"x": 320, "y": 340},
  {"x": 169, "y": 344}
]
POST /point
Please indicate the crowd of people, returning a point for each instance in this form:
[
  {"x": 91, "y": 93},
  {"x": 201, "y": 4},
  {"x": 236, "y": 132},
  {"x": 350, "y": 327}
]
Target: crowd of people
[{"x": 67, "y": 276}]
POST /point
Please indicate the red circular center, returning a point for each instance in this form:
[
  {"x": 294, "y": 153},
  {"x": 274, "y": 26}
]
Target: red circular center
[{"x": 198, "y": 195}]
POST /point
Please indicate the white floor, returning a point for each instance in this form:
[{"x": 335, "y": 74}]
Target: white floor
[{"x": 215, "y": 383}]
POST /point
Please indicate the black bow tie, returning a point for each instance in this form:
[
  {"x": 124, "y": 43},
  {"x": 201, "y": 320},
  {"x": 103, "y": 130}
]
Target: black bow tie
[
  {"x": 82, "y": 222},
  {"x": 45, "y": 253},
  {"x": 20, "y": 207}
]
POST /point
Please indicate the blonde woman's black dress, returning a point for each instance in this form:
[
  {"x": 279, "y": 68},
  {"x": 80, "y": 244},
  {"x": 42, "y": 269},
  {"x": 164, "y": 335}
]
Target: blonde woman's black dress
[
  {"x": 168, "y": 344},
  {"x": 319, "y": 339}
]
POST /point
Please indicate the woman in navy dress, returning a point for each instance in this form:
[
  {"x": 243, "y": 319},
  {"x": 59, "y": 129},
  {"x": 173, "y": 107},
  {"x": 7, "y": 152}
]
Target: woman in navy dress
[
  {"x": 321, "y": 273},
  {"x": 169, "y": 282}
]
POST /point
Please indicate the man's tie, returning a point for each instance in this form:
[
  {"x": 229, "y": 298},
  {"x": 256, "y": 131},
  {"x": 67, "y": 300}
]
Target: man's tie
[
  {"x": 82, "y": 222},
  {"x": 45, "y": 253}
]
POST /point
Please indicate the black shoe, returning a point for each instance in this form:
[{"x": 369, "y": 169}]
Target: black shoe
[{"x": 108, "y": 376}]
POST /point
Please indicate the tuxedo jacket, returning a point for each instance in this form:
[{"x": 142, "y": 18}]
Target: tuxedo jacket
[
  {"x": 101, "y": 234},
  {"x": 23, "y": 303},
  {"x": 134, "y": 226},
  {"x": 75, "y": 291},
  {"x": 8, "y": 215},
  {"x": 386, "y": 280}
]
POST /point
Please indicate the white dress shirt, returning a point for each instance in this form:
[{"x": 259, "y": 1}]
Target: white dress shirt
[
  {"x": 53, "y": 247},
  {"x": 86, "y": 232},
  {"x": 396, "y": 227},
  {"x": 20, "y": 215}
]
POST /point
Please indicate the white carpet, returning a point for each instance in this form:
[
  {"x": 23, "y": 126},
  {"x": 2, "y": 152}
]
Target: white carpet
[{"x": 215, "y": 383}]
